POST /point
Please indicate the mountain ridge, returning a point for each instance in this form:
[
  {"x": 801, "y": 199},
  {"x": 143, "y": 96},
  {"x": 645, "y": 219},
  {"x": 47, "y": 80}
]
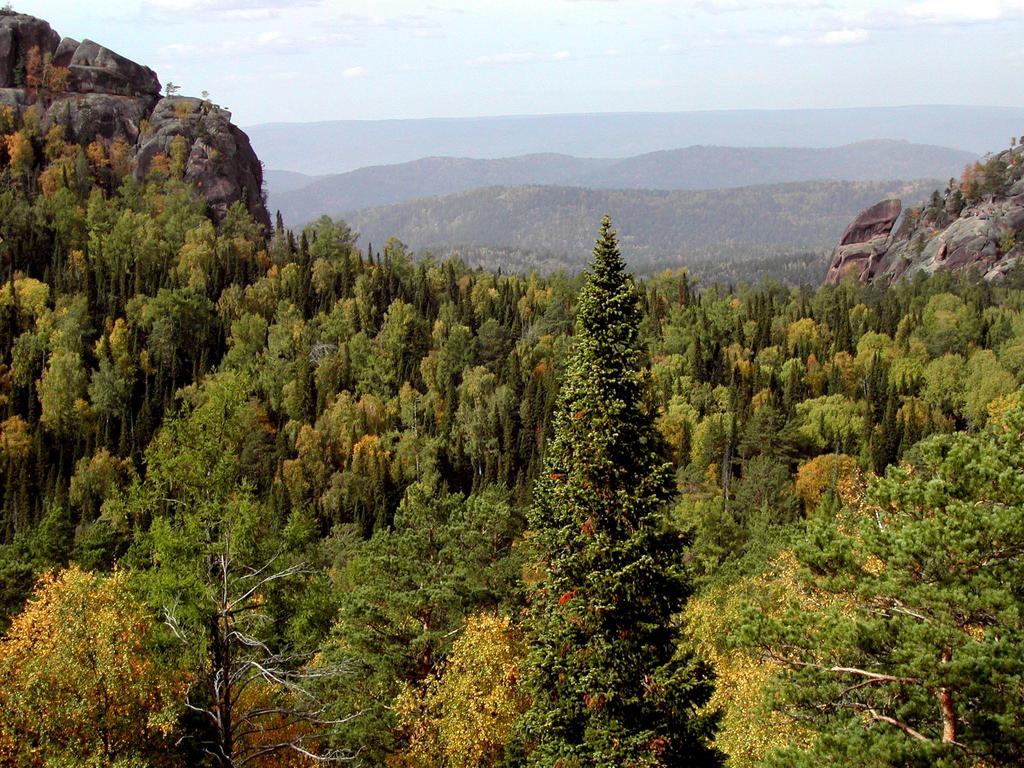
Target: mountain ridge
[
  {"x": 689, "y": 168},
  {"x": 338, "y": 146}
]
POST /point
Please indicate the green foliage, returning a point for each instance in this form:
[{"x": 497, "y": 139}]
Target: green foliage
[
  {"x": 917, "y": 645},
  {"x": 175, "y": 394},
  {"x": 607, "y": 682},
  {"x": 81, "y": 678},
  {"x": 407, "y": 591}
]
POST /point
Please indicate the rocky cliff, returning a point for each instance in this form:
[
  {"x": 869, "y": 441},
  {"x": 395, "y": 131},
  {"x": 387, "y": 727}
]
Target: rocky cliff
[
  {"x": 95, "y": 94},
  {"x": 977, "y": 225}
]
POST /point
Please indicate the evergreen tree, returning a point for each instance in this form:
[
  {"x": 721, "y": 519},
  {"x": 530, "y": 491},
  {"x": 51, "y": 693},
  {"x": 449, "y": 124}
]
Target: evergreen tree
[
  {"x": 914, "y": 652},
  {"x": 608, "y": 686}
]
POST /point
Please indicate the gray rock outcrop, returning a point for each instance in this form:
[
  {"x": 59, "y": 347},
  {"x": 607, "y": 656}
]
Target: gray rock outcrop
[
  {"x": 976, "y": 226},
  {"x": 865, "y": 242},
  {"x": 19, "y": 34},
  {"x": 107, "y": 97}
]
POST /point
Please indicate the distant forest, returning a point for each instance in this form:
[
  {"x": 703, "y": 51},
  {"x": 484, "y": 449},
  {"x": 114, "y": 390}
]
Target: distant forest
[
  {"x": 302, "y": 199},
  {"x": 656, "y": 228}
]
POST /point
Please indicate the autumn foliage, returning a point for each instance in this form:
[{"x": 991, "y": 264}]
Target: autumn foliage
[
  {"x": 79, "y": 678},
  {"x": 463, "y": 715}
]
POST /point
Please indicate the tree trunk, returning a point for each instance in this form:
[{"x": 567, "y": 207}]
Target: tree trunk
[{"x": 946, "y": 705}]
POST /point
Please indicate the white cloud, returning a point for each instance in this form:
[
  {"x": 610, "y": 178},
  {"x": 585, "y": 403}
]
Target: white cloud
[
  {"x": 353, "y": 72},
  {"x": 271, "y": 41},
  {"x": 743, "y": 6},
  {"x": 522, "y": 57},
  {"x": 844, "y": 37},
  {"x": 228, "y": 9},
  {"x": 834, "y": 37},
  {"x": 953, "y": 11}
]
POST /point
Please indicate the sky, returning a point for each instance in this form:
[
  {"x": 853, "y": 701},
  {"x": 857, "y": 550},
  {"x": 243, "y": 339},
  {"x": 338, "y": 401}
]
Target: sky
[{"x": 309, "y": 60}]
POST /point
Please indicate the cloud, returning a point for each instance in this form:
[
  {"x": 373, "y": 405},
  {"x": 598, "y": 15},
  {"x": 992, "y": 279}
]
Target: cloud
[
  {"x": 833, "y": 37},
  {"x": 329, "y": 15},
  {"x": 744, "y": 6},
  {"x": 524, "y": 57},
  {"x": 272, "y": 41},
  {"x": 228, "y": 9},
  {"x": 844, "y": 37},
  {"x": 353, "y": 72},
  {"x": 963, "y": 11}
]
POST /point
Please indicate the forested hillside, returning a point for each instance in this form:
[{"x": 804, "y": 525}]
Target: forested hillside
[
  {"x": 303, "y": 199},
  {"x": 657, "y": 229},
  {"x": 270, "y": 501}
]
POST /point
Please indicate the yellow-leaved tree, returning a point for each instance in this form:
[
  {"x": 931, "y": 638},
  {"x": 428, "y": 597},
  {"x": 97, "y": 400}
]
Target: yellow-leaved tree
[
  {"x": 79, "y": 681},
  {"x": 464, "y": 714},
  {"x": 749, "y": 729}
]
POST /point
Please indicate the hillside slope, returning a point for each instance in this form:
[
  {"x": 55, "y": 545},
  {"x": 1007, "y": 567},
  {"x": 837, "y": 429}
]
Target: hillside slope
[
  {"x": 654, "y": 226},
  {"x": 715, "y": 167},
  {"x": 692, "y": 168},
  {"x": 430, "y": 176}
]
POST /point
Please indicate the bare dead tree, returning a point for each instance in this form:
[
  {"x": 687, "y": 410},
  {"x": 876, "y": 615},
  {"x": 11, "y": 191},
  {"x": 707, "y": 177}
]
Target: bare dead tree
[{"x": 257, "y": 701}]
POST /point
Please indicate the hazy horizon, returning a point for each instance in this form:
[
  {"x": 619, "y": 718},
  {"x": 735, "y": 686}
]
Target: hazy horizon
[{"x": 636, "y": 113}]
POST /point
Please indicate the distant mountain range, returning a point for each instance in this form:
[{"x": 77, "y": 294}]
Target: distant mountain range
[
  {"x": 304, "y": 198},
  {"x": 546, "y": 227},
  {"x": 340, "y": 146}
]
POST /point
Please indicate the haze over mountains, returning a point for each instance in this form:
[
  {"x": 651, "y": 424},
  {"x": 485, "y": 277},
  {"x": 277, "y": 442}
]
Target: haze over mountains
[
  {"x": 693, "y": 168},
  {"x": 345, "y": 145},
  {"x": 523, "y": 192}
]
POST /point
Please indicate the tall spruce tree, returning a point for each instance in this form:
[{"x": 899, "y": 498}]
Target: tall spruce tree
[{"x": 609, "y": 685}]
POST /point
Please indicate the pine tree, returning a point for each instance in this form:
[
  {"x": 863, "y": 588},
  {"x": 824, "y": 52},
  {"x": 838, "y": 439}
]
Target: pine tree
[
  {"x": 915, "y": 638},
  {"x": 609, "y": 686}
]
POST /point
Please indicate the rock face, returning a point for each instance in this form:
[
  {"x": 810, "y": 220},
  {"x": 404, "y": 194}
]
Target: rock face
[
  {"x": 19, "y": 34},
  {"x": 104, "y": 96},
  {"x": 865, "y": 242},
  {"x": 220, "y": 161},
  {"x": 976, "y": 226},
  {"x": 874, "y": 222},
  {"x": 95, "y": 69}
]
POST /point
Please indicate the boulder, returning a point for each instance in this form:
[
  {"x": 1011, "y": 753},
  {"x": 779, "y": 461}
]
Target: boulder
[
  {"x": 862, "y": 249},
  {"x": 95, "y": 69},
  {"x": 19, "y": 34},
  {"x": 66, "y": 49},
  {"x": 876, "y": 220}
]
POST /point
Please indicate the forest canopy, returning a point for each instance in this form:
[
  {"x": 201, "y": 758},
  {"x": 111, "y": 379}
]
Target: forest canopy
[{"x": 273, "y": 498}]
